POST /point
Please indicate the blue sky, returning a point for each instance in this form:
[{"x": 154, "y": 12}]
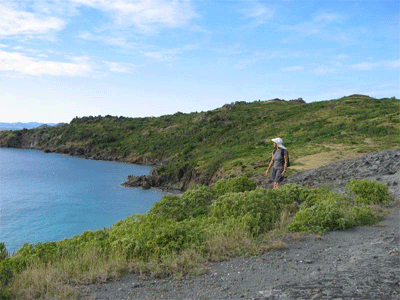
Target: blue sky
[{"x": 138, "y": 58}]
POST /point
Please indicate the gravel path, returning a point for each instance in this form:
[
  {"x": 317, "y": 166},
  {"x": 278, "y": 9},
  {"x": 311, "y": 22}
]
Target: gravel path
[{"x": 358, "y": 263}]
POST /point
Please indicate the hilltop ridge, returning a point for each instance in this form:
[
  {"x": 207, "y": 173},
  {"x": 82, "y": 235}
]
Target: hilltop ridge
[
  {"x": 21, "y": 125},
  {"x": 203, "y": 147}
]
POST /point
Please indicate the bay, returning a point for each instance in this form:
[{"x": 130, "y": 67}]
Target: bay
[{"x": 48, "y": 197}]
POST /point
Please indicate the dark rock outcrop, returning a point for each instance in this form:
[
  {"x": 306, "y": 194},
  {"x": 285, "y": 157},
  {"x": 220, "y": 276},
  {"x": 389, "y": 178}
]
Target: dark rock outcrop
[
  {"x": 373, "y": 165},
  {"x": 165, "y": 181},
  {"x": 383, "y": 166},
  {"x": 138, "y": 181}
]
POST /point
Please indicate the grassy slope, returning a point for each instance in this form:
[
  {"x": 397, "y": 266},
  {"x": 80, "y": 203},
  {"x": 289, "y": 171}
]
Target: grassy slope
[{"x": 232, "y": 140}]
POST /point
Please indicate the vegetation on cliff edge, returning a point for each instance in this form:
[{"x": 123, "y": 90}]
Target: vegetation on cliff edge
[
  {"x": 180, "y": 234},
  {"x": 203, "y": 147}
]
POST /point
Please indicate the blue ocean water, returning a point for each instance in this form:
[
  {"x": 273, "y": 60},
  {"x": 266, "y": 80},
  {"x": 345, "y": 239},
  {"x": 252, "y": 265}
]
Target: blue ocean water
[{"x": 49, "y": 197}]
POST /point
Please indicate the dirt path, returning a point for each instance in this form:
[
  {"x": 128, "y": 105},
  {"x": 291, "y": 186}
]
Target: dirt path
[{"x": 359, "y": 263}]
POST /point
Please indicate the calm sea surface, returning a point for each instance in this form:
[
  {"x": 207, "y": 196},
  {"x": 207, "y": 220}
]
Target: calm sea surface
[{"x": 49, "y": 197}]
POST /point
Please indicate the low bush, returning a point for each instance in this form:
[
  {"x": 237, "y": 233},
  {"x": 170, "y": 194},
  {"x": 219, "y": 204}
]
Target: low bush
[
  {"x": 367, "y": 215},
  {"x": 151, "y": 236},
  {"x": 192, "y": 203},
  {"x": 325, "y": 214},
  {"x": 313, "y": 196},
  {"x": 324, "y": 211},
  {"x": 259, "y": 209},
  {"x": 234, "y": 185},
  {"x": 3, "y": 251},
  {"x": 367, "y": 192}
]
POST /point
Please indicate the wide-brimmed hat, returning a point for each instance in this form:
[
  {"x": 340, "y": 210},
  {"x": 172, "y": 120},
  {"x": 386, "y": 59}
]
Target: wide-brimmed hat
[{"x": 279, "y": 142}]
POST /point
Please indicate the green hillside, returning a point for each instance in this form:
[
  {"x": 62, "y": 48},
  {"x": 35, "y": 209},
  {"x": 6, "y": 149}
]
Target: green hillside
[
  {"x": 181, "y": 235},
  {"x": 232, "y": 140}
]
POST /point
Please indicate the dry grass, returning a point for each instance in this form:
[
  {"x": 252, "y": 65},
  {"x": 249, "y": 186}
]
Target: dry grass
[
  {"x": 221, "y": 246},
  {"x": 275, "y": 245},
  {"x": 333, "y": 153},
  {"x": 64, "y": 279},
  {"x": 189, "y": 261},
  {"x": 42, "y": 282},
  {"x": 56, "y": 280},
  {"x": 273, "y": 240}
]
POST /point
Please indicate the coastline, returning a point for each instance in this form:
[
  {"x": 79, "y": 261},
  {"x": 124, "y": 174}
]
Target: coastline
[{"x": 55, "y": 194}]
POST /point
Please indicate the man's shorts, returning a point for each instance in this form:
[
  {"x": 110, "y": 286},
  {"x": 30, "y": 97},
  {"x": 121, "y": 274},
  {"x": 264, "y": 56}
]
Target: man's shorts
[{"x": 276, "y": 175}]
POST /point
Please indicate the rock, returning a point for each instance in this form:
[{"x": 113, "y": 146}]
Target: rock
[{"x": 383, "y": 166}]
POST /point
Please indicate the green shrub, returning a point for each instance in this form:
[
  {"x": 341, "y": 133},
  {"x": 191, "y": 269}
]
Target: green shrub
[
  {"x": 322, "y": 210},
  {"x": 10, "y": 266},
  {"x": 234, "y": 185},
  {"x": 3, "y": 251},
  {"x": 326, "y": 214},
  {"x": 170, "y": 206},
  {"x": 197, "y": 200},
  {"x": 315, "y": 195},
  {"x": 292, "y": 193},
  {"x": 192, "y": 203},
  {"x": 151, "y": 236},
  {"x": 6, "y": 271},
  {"x": 367, "y": 215},
  {"x": 259, "y": 209},
  {"x": 367, "y": 192}
]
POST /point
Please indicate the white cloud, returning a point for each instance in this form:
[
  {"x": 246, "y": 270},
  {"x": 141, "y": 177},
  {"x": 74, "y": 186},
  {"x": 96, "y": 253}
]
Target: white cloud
[
  {"x": 16, "y": 22},
  {"x": 39, "y": 18},
  {"x": 327, "y": 18},
  {"x": 367, "y": 66},
  {"x": 325, "y": 26},
  {"x": 293, "y": 69},
  {"x": 117, "y": 41},
  {"x": 168, "y": 54},
  {"x": 323, "y": 70},
  {"x": 255, "y": 57},
  {"x": 145, "y": 15},
  {"x": 342, "y": 56},
  {"x": 18, "y": 63},
  {"x": 119, "y": 68},
  {"x": 259, "y": 13},
  {"x": 162, "y": 55}
]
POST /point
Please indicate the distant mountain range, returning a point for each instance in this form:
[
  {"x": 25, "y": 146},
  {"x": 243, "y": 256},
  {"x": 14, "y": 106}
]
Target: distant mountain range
[{"x": 19, "y": 125}]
